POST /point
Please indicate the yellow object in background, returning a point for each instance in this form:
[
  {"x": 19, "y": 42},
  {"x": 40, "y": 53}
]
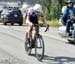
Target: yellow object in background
[{"x": 64, "y": 8}]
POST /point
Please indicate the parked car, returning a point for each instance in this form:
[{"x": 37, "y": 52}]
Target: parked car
[{"x": 12, "y": 15}]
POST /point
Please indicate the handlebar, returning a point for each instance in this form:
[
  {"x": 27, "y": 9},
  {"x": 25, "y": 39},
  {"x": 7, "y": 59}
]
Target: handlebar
[{"x": 46, "y": 25}]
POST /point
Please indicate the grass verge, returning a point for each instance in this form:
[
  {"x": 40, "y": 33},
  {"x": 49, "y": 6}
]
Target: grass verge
[{"x": 52, "y": 23}]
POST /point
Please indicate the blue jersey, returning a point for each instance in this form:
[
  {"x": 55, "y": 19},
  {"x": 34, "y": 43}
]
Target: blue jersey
[
  {"x": 33, "y": 18},
  {"x": 67, "y": 12}
]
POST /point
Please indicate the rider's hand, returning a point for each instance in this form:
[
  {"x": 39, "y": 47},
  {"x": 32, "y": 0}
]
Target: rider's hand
[{"x": 47, "y": 27}]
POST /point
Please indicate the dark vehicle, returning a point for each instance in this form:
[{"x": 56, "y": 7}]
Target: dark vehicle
[{"x": 13, "y": 15}]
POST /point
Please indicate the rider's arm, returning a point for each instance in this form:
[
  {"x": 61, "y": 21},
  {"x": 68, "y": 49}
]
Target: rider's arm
[
  {"x": 65, "y": 13},
  {"x": 44, "y": 22},
  {"x": 42, "y": 18}
]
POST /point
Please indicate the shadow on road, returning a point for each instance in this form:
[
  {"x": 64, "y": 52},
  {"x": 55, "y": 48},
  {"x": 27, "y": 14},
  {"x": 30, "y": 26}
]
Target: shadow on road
[
  {"x": 32, "y": 55},
  {"x": 58, "y": 60},
  {"x": 72, "y": 43}
]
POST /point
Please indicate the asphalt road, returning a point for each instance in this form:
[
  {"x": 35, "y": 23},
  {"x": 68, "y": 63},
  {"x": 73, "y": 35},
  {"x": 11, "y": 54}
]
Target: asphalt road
[{"x": 12, "y": 48}]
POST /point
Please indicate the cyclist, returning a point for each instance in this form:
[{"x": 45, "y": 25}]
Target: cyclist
[
  {"x": 32, "y": 18},
  {"x": 67, "y": 15}
]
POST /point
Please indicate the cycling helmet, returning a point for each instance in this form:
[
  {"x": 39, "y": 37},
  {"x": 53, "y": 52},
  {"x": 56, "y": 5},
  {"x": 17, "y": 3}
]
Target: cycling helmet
[
  {"x": 38, "y": 7},
  {"x": 30, "y": 10},
  {"x": 69, "y": 1}
]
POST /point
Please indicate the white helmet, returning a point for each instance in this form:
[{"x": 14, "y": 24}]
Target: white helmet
[
  {"x": 38, "y": 7},
  {"x": 30, "y": 10}
]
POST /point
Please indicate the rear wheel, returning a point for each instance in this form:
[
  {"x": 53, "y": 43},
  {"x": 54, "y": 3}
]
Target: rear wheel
[
  {"x": 12, "y": 23},
  {"x": 20, "y": 23},
  {"x": 5, "y": 23},
  {"x": 39, "y": 48}
]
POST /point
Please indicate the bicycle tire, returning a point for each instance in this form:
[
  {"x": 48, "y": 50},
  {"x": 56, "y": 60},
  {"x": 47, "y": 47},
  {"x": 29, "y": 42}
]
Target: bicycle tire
[
  {"x": 27, "y": 48},
  {"x": 39, "y": 56}
]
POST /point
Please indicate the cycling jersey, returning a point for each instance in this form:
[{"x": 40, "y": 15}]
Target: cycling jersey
[
  {"x": 67, "y": 12},
  {"x": 32, "y": 16}
]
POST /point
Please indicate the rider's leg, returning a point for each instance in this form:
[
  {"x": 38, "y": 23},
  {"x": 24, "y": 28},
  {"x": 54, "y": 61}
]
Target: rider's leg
[
  {"x": 37, "y": 29},
  {"x": 68, "y": 24},
  {"x": 30, "y": 28}
]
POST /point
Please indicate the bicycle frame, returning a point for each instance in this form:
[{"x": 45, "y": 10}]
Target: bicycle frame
[{"x": 37, "y": 29}]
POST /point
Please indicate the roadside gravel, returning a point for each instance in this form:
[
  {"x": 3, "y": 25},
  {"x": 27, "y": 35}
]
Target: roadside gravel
[{"x": 6, "y": 58}]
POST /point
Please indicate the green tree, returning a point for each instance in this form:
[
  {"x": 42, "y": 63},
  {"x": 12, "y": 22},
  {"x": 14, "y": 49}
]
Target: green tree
[
  {"x": 55, "y": 9},
  {"x": 47, "y": 8},
  {"x": 52, "y": 8}
]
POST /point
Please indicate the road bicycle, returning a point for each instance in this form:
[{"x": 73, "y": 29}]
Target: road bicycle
[{"x": 38, "y": 42}]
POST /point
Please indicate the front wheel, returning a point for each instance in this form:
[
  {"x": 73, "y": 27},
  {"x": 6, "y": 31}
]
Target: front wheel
[
  {"x": 12, "y": 23},
  {"x": 39, "y": 48},
  {"x": 5, "y": 23},
  {"x": 20, "y": 23},
  {"x": 27, "y": 45}
]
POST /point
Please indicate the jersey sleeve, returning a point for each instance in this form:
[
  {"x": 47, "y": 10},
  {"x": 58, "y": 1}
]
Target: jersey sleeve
[
  {"x": 65, "y": 13},
  {"x": 30, "y": 11}
]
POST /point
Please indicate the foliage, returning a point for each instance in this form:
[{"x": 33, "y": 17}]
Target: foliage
[{"x": 52, "y": 8}]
